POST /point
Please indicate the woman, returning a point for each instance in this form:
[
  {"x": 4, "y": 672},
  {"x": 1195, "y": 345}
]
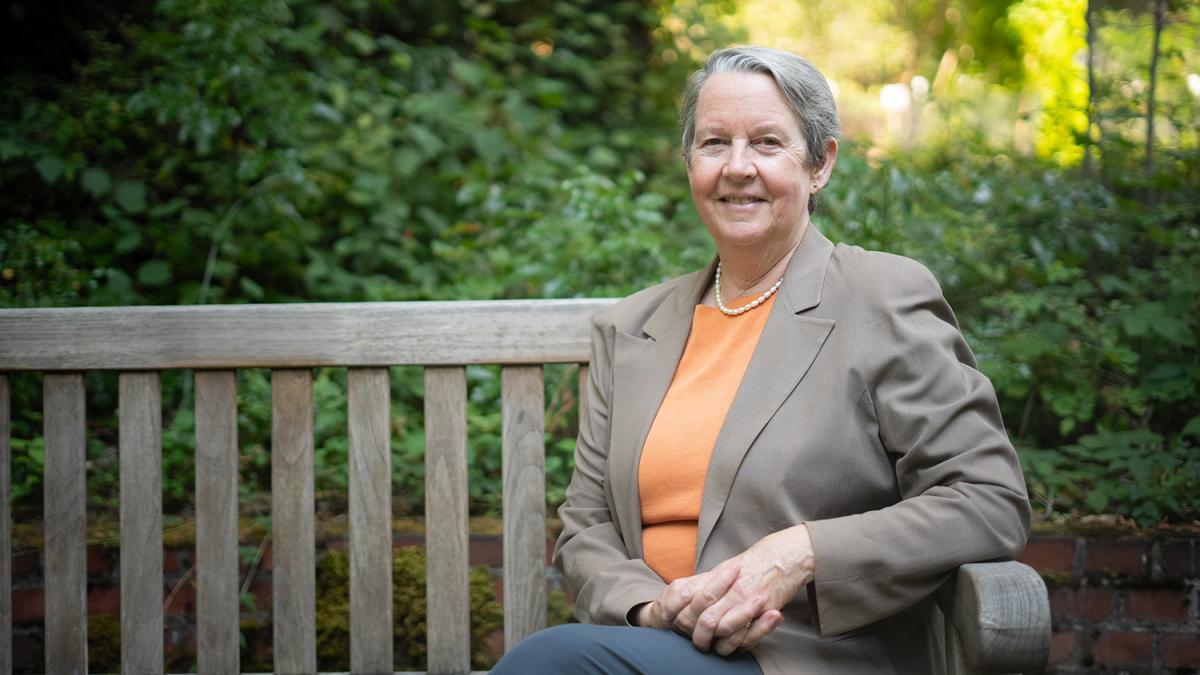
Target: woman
[{"x": 784, "y": 454}]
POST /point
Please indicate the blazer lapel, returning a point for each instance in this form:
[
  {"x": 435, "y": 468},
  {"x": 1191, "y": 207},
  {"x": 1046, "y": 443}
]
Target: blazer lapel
[
  {"x": 786, "y": 349},
  {"x": 643, "y": 367}
]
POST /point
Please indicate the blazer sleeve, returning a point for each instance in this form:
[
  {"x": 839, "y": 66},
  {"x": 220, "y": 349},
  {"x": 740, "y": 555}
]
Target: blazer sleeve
[
  {"x": 591, "y": 551},
  {"x": 961, "y": 492}
]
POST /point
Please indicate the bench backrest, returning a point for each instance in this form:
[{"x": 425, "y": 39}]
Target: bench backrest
[{"x": 366, "y": 338}]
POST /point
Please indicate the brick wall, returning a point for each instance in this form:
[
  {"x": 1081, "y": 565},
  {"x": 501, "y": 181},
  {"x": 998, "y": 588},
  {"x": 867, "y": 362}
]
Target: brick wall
[
  {"x": 1117, "y": 605},
  {"x": 1121, "y": 605}
]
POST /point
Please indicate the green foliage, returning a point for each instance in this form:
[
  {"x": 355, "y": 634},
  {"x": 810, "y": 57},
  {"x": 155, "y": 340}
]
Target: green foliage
[
  {"x": 346, "y": 151},
  {"x": 1082, "y": 308},
  {"x": 1134, "y": 473},
  {"x": 408, "y": 596}
]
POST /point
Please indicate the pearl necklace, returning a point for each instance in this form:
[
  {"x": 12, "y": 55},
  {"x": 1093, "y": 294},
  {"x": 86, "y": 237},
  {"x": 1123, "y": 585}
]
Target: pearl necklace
[{"x": 744, "y": 308}]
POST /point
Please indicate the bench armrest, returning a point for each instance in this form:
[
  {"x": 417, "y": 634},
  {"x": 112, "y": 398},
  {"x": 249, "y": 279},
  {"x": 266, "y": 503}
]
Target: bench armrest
[{"x": 997, "y": 619}]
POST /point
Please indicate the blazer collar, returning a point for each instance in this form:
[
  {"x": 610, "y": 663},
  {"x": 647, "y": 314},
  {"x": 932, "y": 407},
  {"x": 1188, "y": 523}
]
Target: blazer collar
[
  {"x": 680, "y": 304},
  {"x": 805, "y": 275}
]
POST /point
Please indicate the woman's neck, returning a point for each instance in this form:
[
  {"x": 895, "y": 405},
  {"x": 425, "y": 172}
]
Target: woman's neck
[{"x": 746, "y": 271}]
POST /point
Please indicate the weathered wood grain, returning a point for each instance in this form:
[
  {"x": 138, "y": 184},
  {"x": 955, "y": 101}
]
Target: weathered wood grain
[
  {"x": 449, "y": 622},
  {"x": 66, "y": 524},
  {"x": 296, "y": 335},
  {"x": 368, "y": 403},
  {"x": 294, "y": 571},
  {"x": 998, "y": 619},
  {"x": 5, "y": 528},
  {"x": 216, "y": 522},
  {"x": 140, "y": 410},
  {"x": 524, "y": 476}
]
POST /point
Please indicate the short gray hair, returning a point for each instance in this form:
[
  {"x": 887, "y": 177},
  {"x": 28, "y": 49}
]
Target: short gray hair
[{"x": 798, "y": 79}]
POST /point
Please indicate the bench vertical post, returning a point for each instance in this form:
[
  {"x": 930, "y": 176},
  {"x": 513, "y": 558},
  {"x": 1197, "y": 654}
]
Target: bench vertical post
[
  {"x": 5, "y": 528},
  {"x": 140, "y": 411},
  {"x": 216, "y": 523},
  {"x": 66, "y": 524},
  {"x": 368, "y": 402},
  {"x": 293, "y": 555},
  {"x": 524, "y": 477},
  {"x": 446, "y": 538}
]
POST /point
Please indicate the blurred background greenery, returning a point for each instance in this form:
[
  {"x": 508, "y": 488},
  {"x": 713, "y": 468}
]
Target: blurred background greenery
[{"x": 1042, "y": 157}]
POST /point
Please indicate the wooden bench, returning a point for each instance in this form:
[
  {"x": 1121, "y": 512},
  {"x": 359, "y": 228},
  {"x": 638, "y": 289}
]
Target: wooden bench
[{"x": 997, "y": 613}]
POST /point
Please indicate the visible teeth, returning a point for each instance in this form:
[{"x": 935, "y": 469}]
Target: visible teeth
[{"x": 741, "y": 200}]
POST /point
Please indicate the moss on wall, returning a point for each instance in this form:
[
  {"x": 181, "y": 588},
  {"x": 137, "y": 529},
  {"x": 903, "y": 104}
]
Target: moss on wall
[{"x": 408, "y": 597}]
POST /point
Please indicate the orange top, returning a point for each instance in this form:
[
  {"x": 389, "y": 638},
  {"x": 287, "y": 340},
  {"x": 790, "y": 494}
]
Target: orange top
[{"x": 675, "y": 457}]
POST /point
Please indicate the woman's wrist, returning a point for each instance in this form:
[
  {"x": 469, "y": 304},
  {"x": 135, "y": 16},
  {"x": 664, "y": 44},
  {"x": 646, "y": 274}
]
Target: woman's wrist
[{"x": 796, "y": 563}]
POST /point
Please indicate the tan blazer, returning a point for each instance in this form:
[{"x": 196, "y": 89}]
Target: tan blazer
[{"x": 861, "y": 414}]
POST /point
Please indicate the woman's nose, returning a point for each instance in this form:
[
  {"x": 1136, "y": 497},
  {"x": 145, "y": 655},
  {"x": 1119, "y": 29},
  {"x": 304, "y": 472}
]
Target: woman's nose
[{"x": 740, "y": 163}]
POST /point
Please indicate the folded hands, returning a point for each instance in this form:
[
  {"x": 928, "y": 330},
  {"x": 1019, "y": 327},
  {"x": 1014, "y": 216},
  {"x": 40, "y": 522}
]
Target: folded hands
[{"x": 737, "y": 603}]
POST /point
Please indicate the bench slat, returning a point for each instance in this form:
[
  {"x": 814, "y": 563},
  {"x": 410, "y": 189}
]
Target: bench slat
[
  {"x": 447, "y": 597},
  {"x": 141, "y": 522},
  {"x": 66, "y": 524},
  {"x": 216, "y": 522},
  {"x": 293, "y": 553},
  {"x": 368, "y": 402},
  {"x": 523, "y": 410},
  {"x": 297, "y": 335},
  {"x": 5, "y": 528}
]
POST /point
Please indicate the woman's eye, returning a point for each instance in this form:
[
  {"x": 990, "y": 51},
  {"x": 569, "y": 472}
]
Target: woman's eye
[
  {"x": 770, "y": 142},
  {"x": 709, "y": 142}
]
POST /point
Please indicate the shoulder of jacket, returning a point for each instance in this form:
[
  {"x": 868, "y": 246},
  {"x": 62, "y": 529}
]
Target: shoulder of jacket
[{"x": 878, "y": 274}]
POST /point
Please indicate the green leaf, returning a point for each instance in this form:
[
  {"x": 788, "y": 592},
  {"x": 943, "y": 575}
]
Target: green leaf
[
  {"x": 489, "y": 143},
  {"x": 1097, "y": 500},
  {"x": 1192, "y": 427},
  {"x": 118, "y": 283},
  {"x": 154, "y": 273},
  {"x": 364, "y": 44},
  {"x": 128, "y": 241},
  {"x": 50, "y": 167},
  {"x": 9, "y": 149},
  {"x": 1066, "y": 425},
  {"x": 131, "y": 196},
  {"x": 95, "y": 181},
  {"x": 252, "y": 290}
]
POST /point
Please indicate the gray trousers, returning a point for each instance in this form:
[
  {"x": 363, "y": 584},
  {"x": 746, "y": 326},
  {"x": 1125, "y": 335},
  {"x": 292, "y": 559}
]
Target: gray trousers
[{"x": 585, "y": 649}]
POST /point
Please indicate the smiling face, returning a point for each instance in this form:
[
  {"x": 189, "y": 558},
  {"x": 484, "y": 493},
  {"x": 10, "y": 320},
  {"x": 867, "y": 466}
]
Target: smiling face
[{"x": 748, "y": 168}]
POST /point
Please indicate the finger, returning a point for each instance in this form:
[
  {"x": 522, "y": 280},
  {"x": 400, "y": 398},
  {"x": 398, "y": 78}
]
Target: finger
[
  {"x": 650, "y": 616},
  {"x": 709, "y": 593},
  {"x": 729, "y": 644},
  {"x": 714, "y": 587},
  {"x": 740, "y": 616},
  {"x": 709, "y": 621},
  {"x": 760, "y": 628},
  {"x": 676, "y": 596}
]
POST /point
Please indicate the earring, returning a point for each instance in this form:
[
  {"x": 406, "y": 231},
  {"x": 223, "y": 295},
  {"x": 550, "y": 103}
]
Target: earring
[{"x": 814, "y": 186}]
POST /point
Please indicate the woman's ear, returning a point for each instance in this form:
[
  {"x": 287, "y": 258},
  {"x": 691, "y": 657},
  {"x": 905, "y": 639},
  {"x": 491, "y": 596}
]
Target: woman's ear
[{"x": 826, "y": 168}]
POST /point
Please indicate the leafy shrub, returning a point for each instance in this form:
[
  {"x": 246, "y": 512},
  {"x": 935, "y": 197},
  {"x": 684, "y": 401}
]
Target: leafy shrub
[{"x": 1082, "y": 307}]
